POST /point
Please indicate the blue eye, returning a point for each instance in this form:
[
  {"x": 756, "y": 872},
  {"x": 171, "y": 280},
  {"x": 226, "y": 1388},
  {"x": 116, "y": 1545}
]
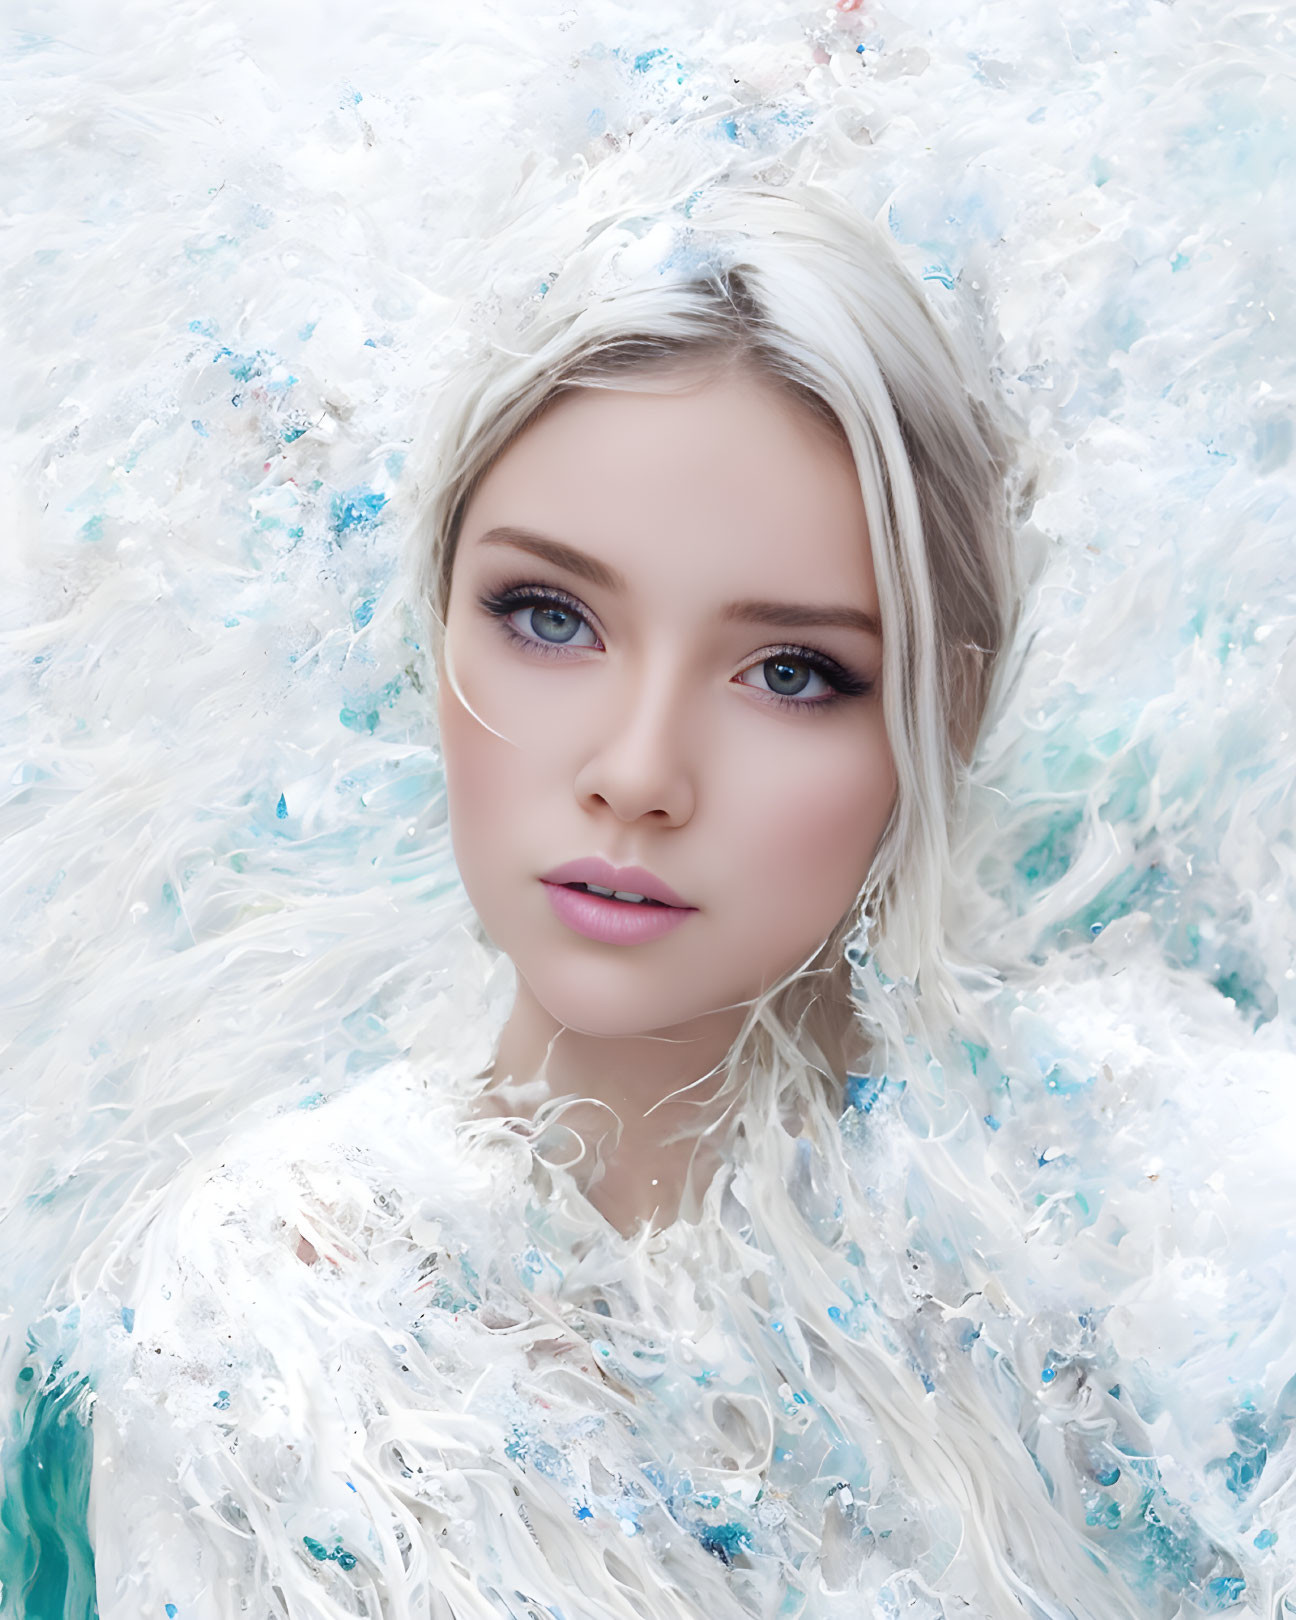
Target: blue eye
[
  {"x": 556, "y": 624},
  {"x": 548, "y": 621},
  {"x": 787, "y": 676},
  {"x": 550, "y": 624},
  {"x": 540, "y": 618}
]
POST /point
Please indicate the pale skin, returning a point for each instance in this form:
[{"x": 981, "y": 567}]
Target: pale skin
[{"x": 664, "y": 620}]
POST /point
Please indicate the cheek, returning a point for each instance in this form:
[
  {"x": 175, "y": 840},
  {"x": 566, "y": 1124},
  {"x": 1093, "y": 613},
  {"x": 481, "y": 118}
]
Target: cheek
[
  {"x": 809, "y": 830},
  {"x": 515, "y": 742},
  {"x": 478, "y": 770},
  {"x": 505, "y": 773}
]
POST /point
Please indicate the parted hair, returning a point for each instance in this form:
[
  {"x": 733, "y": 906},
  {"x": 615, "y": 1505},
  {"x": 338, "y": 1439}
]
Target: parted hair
[{"x": 802, "y": 290}]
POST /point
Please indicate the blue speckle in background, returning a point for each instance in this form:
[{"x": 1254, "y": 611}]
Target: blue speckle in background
[
  {"x": 205, "y": 329},
  {"x": 353, "y": 509},
  {"x": 658, "y": 60},
  {"x": 1050, "y": 856},
  {"x": 281, "y": 809},
  {"x": 171, "y": 1611},
  {"x": 938, "y": 272},
  {"x": 359, "y": 720},
  {"x": 1266, "y": 1539},
  {"x": 864, "y": 1090},
  {"x": 363, "y": 613},
  {"x": 725, "y": 1541},
  {"x": 128, "y": 1318},
  {"x": 243, "y": 367},
  {"x": 1244, "y": 1465},
  {"x": 362, "y": 712},
  {"x": 199, "y": 429},
  {"x": 307, "y": 332},
  {"x": 338, "y": 1555}
]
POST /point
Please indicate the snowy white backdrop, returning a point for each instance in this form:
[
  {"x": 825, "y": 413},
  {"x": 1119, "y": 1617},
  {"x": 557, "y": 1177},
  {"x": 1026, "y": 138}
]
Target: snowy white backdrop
[{"x": 241, "y": 244}]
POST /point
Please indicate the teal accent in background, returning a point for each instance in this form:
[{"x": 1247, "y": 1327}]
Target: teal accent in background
[{"x": 46, "y": 1561}]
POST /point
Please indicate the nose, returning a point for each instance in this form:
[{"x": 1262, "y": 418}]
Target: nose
[{"x": 641, "y": 762}]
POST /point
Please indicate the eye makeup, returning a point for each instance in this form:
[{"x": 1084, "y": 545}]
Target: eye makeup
[
  {"x": 507, "y": 600},
  {"x": 503, "y": 602},
  {"x": 841, "y": 682}
]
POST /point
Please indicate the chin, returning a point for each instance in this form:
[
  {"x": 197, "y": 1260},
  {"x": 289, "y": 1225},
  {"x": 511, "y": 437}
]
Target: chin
[{"x": 618, "y": 1004}]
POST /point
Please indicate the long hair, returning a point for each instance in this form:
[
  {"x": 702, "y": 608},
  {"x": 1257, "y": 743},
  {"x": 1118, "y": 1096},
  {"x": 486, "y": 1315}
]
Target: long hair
[
  {"x": 793, "y": 284},
  {"x": 798, "y": 287}
]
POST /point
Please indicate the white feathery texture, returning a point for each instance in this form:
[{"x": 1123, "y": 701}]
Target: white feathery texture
[{"x": 339, "y": 1360}]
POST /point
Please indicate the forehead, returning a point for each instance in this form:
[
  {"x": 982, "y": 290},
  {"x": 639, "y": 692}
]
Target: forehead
[{"x": 714, "y": 480}]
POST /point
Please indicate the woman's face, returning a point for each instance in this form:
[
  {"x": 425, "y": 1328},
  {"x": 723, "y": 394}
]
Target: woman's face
[{"x": 664, "y": 622}]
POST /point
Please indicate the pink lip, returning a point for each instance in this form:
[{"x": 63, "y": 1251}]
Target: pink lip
[
  {"x": 614, "y": 922},
  {"x": 629, "y": 879}
]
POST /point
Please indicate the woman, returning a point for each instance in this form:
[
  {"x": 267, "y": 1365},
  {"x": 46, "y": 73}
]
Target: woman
[{"x": 673, "y": 1309}]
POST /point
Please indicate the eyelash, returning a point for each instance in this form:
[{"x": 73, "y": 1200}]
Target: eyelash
[{"x": 508, "y": 599}]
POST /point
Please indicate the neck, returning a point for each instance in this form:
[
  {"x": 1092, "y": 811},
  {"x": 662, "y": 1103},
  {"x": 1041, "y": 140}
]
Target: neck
[{"x": 624, "y": 1103}]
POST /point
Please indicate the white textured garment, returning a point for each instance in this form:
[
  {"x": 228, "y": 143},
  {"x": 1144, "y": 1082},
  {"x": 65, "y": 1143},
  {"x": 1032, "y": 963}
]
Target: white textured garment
[{"x": 365, "y": 1358}]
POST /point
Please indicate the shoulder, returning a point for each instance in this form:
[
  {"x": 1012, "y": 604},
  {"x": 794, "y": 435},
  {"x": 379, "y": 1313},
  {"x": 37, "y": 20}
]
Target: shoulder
[
  {"x": 274, "y": 1295},
  {"x": 302, "y": 1228},
  {"x": 325, "y": 1179}
]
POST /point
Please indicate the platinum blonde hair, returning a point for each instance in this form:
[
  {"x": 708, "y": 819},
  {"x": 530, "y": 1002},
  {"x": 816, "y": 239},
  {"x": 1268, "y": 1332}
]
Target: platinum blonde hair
[
  {"x": 798, "y": 288},
  {"x": 793, "y": 284}
]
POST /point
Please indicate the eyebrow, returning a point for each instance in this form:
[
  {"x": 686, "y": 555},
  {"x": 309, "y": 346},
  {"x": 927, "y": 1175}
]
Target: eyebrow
[
  {"x": 575, "y": 562},
  {"x": 785, "y": 615},
  {"x": 792, "y": 615}
]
